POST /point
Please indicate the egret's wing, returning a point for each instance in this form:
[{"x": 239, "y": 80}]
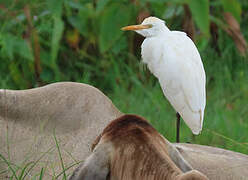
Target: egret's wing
[
  {"x": 194, "y": 79},
  {"x": 184, "y": 82},
  {"x": 193, "y": 89}
]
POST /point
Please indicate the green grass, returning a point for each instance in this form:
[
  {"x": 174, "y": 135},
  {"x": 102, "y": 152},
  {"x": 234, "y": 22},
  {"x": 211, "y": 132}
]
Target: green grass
[{"x": 22, "y": 170}]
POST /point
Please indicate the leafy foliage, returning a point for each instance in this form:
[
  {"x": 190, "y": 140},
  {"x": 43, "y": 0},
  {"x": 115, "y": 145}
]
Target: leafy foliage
[
  {"x": 200, "y": 12},
  {"x": 47, "y": 41},
  {"x": 234, "y": 7}
]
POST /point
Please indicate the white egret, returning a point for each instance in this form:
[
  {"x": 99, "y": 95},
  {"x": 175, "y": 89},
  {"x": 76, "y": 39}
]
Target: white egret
[{"x": 173, "y": 58}]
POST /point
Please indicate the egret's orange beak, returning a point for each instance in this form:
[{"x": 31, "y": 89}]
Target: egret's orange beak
[{"x": 136, "y": 27}]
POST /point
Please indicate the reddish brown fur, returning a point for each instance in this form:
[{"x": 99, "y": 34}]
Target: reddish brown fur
[
  {"x": 139, "y": 151},
  {"x": 122, "y": 126},
  {"x": 129, "y": 148}
]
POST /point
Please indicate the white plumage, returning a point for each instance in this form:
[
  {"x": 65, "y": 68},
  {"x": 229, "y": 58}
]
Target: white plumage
[{"x": 174, "y": 59}]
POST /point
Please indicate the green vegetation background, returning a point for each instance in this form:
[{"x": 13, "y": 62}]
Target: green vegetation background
[{"x": 42, "y": 42}]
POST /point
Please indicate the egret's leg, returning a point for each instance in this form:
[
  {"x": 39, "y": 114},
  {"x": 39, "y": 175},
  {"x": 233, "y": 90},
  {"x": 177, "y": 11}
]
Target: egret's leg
[{"x": 178, "y": 128}]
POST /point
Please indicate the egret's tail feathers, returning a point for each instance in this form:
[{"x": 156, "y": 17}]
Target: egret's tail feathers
[
  {"x": 194, "y": 120},
  {"x": 196, "y": 131}
]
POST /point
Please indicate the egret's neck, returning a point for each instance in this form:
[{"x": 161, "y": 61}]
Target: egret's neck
[
  {"x": 161, "y": 31},
  {"x": 165, "y": 29}
]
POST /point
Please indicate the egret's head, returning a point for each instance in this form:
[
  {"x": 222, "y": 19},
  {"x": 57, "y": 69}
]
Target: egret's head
[{"x": 151, "y": 26}]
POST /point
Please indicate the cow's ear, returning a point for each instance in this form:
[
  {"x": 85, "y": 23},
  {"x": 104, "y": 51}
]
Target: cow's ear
[
  {"x": 176, "y": 157},
  {"x": 96, "y": 166}
]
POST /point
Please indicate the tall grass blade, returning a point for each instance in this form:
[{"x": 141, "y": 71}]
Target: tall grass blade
[
  {"x": 60, "y": 156},
  {"x": 34, "y": 164},
  {"x": 41, "y": 173},
  {"x": 9, "y": 166}
]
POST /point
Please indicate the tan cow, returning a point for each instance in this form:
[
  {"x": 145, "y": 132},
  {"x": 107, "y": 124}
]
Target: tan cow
[
  {"x": 130, "y": 148},
  {"x": 29, "y": 119},
  {"x": 215, "y": 163}
]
